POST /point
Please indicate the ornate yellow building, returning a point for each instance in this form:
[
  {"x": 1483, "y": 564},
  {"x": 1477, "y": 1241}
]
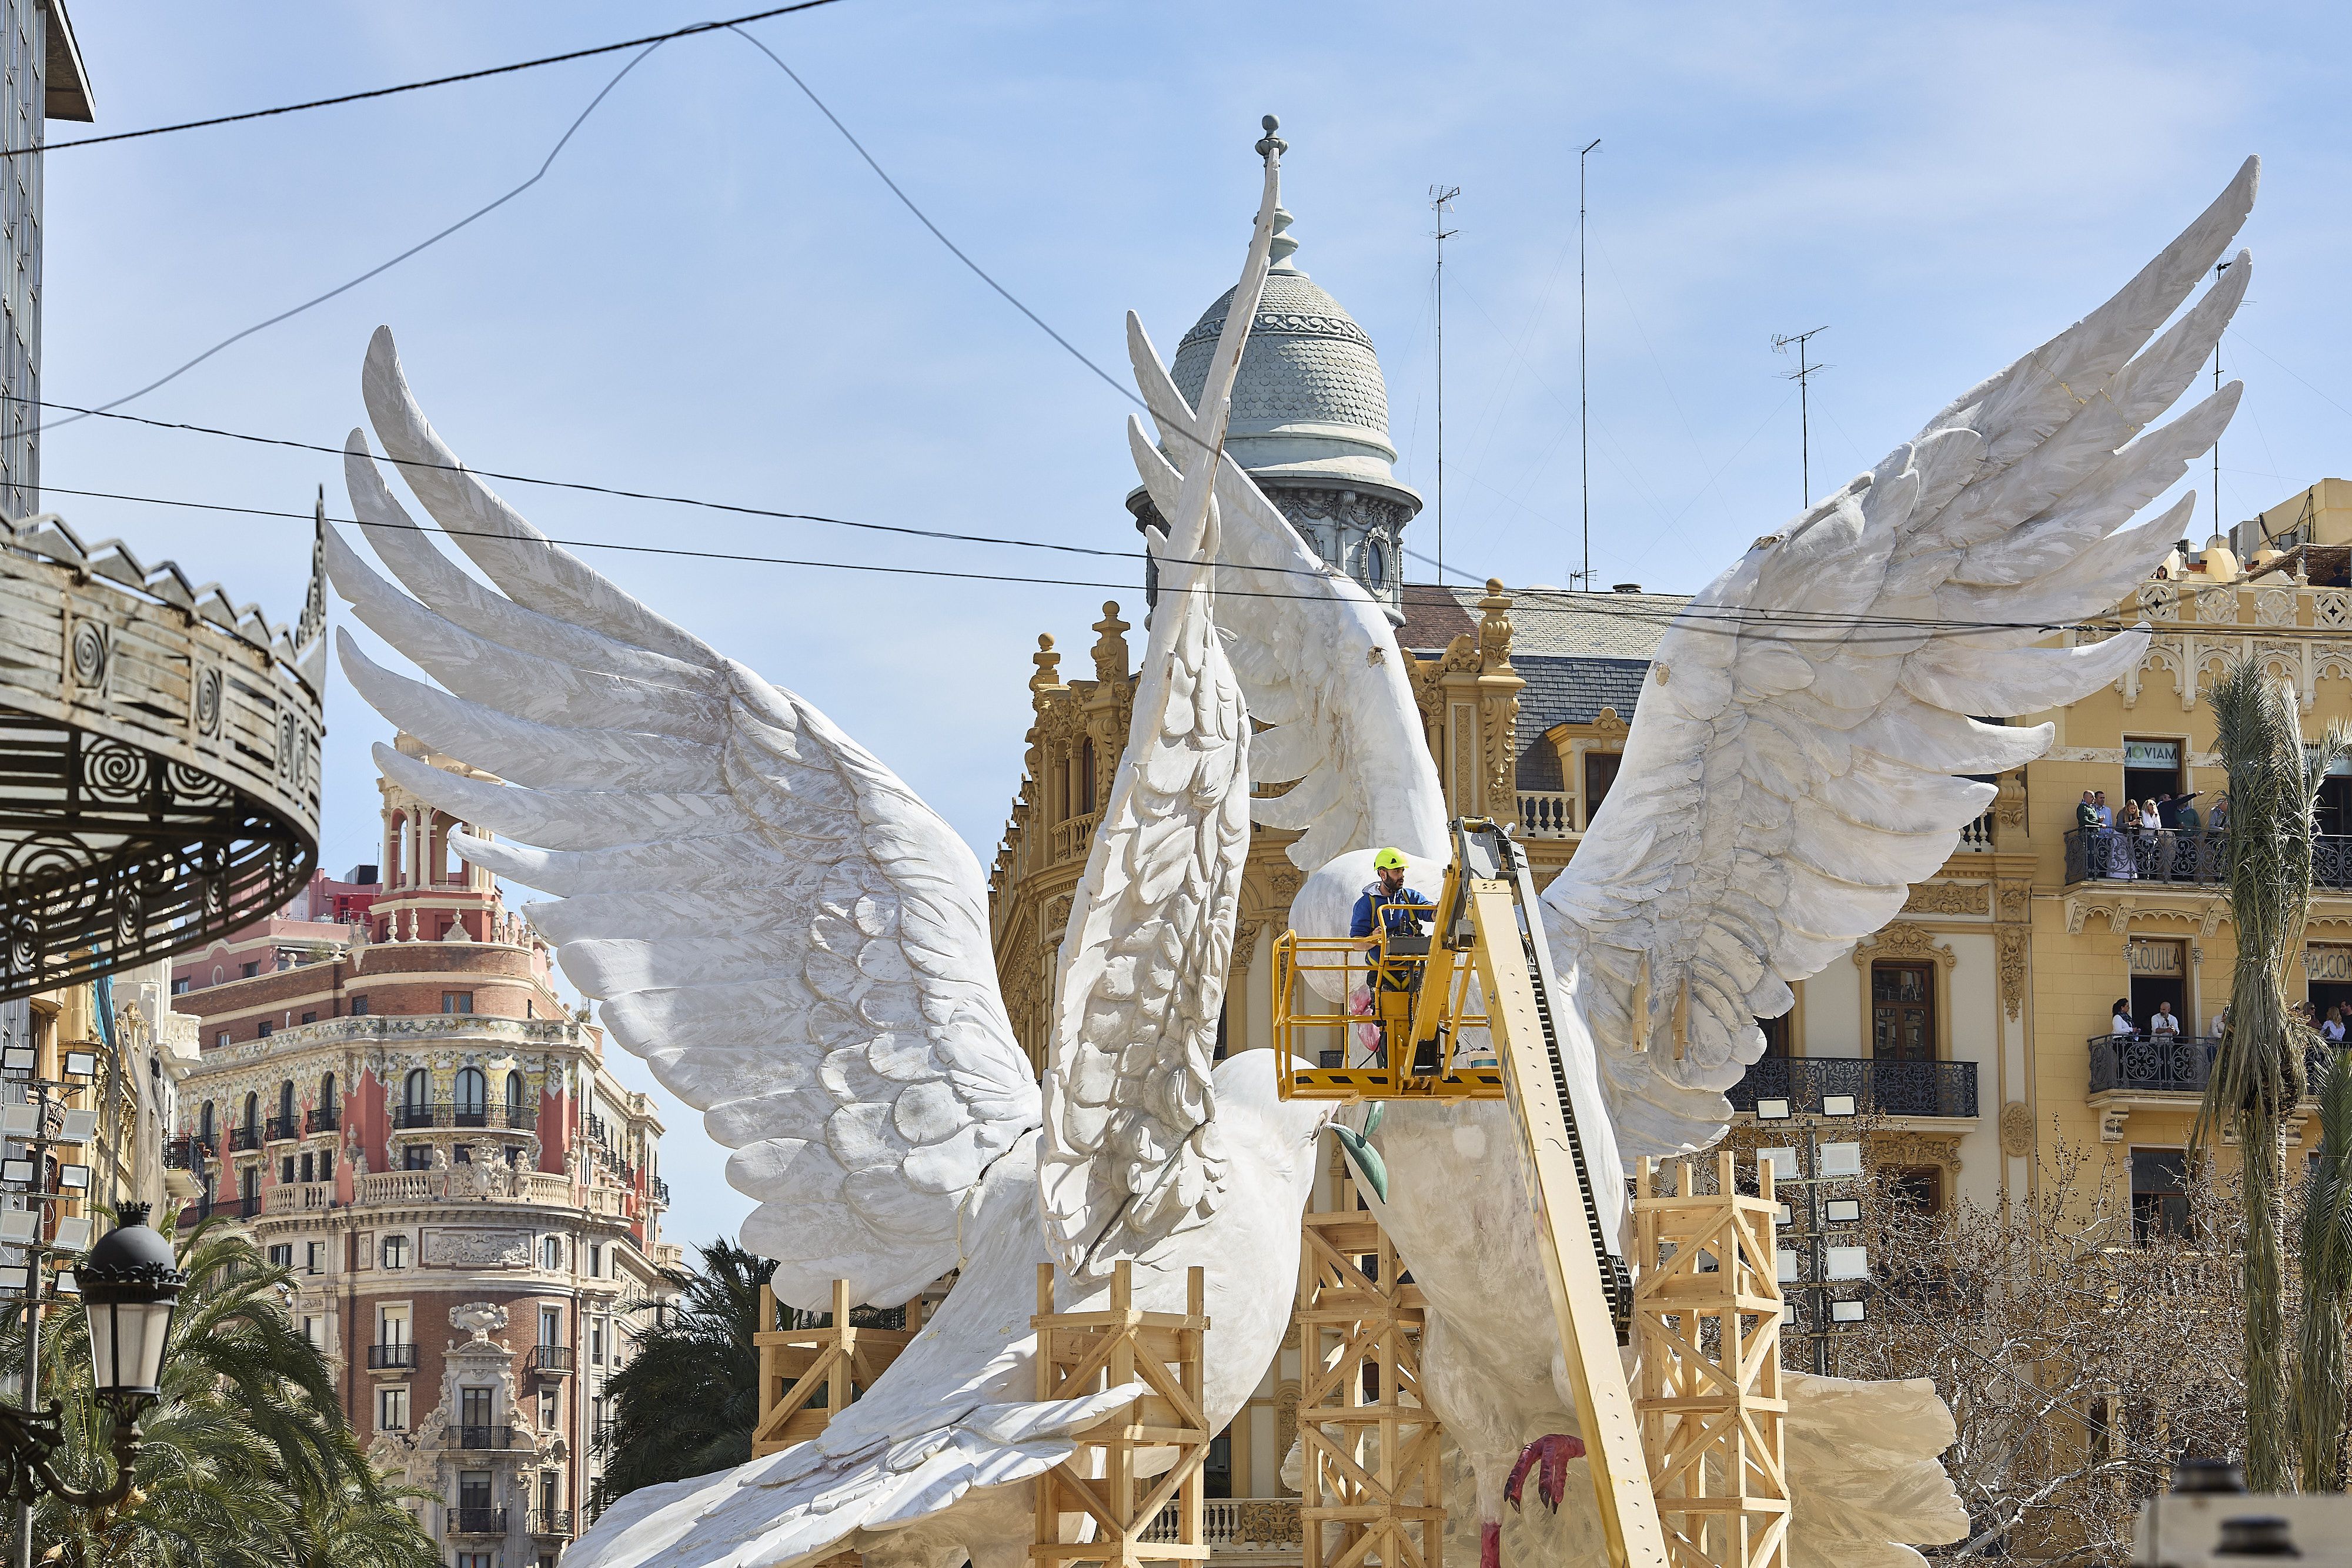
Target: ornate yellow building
[{"x": 1977, "y": 1026}]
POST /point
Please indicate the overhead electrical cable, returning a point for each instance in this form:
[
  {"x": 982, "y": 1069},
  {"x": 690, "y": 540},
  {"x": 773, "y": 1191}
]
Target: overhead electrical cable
[
  {"x": 418, "y": 86},
  {"x": 1721, "y": 619}
]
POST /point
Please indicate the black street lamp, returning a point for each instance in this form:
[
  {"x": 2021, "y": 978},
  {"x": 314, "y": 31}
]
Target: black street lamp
[{"x": 129, "y": 1287}]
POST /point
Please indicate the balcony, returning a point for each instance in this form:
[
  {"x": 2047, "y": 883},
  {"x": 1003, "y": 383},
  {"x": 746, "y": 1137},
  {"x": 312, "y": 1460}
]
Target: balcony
[
  {"x": 660, "y": 1191},
  {"x": 187, "y": 1154},
  {"x": 1547, "y": 814},
  {"x": 284, "y": 1129},
  {"x": 243, "y": 1139},
  {"x": 392, "y": 1358},
  {"x": 482, "y": 1438},
  {"x": 1879, "y": 1088},
  {"x": 478, "y": 1522},
  {"x": 2175, "y": 858},
  {"x": 506, "y": 1118},
  {"x": 551, "y": 1360},
  {"x": 2172, "y": 1064},
  {"x": 550, "y": 1521},
  {"x": 315, "y": 1122}
]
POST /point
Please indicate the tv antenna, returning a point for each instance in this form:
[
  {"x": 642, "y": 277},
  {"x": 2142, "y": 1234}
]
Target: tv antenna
[
  {"x": 2218, "y": 271},
  {"x": 1441, "y": 202},
  {"x": 1583, "y": 422},
  {"x": 1802, "y": 375}
]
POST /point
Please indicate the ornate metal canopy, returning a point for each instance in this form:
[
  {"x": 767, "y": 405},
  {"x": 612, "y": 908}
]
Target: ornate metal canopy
[{"x": 159, "y": 758}]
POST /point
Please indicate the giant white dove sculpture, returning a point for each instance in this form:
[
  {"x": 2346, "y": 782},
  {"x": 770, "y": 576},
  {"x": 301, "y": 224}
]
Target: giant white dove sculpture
[
  {"x": 1800, "y": 754},
  {"x": 800, "y": 950}
]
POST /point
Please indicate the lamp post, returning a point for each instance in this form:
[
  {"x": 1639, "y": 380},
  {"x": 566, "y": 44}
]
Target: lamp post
[
  {"x": 1823, "y": 1162},
  {"x": 130, "y": 1286}
]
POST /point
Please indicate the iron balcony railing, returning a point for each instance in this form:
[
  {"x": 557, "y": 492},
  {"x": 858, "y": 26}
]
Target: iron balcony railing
[
  {"x": 481, "y": 1437},
  {"x": 2181, "y": 855},
  {"x": 284, "y": 1128},
  {"x": 187, "y": 1154},
  {"x": 550, "y": 1521},
  {"x": 319, "y": 1121},
  {"x": 1883, "y": 1088},
  {"x": 478, "y": 1522},
  {"x": 552, "y": 1358},
  {"x": 441, "y": 1113},
  {"x": 391, "y": 1358},
  {"x": 241, "y": 1139},
  {"x": 2173, "y": 1063}
]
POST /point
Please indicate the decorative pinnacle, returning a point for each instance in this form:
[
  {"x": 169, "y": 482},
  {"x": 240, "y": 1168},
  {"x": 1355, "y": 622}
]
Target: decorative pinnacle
[{"x": 1270, "y": 146}]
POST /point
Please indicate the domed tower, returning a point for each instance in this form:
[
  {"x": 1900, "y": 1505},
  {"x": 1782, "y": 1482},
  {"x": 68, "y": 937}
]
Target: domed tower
[{"x": 1310, "y": 425}]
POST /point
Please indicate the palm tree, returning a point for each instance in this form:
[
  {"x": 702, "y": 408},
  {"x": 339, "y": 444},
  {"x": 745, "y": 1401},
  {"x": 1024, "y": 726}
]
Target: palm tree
[
  {"x": 687, "y": 1402},
  {"x": 2259, "y": 1070},
  {"x": 248, "y": 1460},
  {"x": 2321, "y": 1375}
]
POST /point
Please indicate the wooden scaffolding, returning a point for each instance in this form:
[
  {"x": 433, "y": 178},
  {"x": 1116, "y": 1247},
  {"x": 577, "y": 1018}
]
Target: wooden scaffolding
[
  {"x": 1707, "y": 1315},
  {"x": 1085, "y": 1353},
  {"x": 1371, "y": 1482},
  {"x": 806, "y": 1374}
]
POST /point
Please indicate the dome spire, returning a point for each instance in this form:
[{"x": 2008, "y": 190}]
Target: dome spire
[{"x": 1271, "y": 148}]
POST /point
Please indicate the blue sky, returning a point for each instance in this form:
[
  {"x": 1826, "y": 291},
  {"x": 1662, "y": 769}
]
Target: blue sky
[{"x": 710, "y": 295}]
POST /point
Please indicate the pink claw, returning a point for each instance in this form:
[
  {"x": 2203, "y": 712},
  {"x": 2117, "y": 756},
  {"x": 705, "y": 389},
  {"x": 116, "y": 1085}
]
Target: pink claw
[{"x": 1554, "y": 1451}]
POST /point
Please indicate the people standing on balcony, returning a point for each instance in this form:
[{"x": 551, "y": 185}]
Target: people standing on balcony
[
  {"x": 2186, "y": 817},
  {"x": 2222, "y": 1021},
  {"x": 2122, "y": 861},
  {"x": 2163, "y": 1022},
  {"x": 2219, "y": 821},
  {"x": 2106, "y": 817},
  {"x": 2151, "y": 859},
  {"x": 2332, "y": 1030},
  {"x": 2086, "y": 817},
  {"x": 2121, "y": 1024}
]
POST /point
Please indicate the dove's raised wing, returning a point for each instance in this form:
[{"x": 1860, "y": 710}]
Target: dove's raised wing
[
  {"x": 1800, "y": 753},
  {"x": 791, "y": 939},
  {"x": 1316, "y": 659}
]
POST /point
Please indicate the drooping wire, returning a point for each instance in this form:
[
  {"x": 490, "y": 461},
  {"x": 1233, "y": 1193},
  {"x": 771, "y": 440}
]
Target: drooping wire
[{"x": 416, "y": 86}]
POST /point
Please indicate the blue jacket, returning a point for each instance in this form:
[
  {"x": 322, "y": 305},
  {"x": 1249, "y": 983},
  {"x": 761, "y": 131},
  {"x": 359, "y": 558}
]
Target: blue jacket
[{"x": 1397, "y": 920}]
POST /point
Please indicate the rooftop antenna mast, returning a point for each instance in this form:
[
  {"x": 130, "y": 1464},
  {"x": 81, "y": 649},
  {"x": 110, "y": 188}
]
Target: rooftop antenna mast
[
  {"x": 1584, "y": 423},
  {"x": 1802, "y": 375},
  {"x": 1441, "y": 202}
]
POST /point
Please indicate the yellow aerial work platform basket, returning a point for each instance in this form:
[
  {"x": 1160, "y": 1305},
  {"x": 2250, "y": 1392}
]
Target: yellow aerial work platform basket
[{"x": 1362, "y": 1046}]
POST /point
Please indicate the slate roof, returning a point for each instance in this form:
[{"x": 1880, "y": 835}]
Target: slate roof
[{"x": 1579, "y": 652}]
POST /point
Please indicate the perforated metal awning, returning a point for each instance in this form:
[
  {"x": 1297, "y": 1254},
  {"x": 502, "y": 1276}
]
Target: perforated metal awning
[{"x": 159, "y": 758}]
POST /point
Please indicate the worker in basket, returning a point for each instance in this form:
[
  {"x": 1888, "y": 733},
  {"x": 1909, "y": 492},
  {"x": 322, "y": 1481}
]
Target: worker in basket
[{"x": 1388, "y": 922}]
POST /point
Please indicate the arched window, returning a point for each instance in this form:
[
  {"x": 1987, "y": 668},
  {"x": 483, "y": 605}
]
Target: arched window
[
  {"x": 1086, "y": 776},
  {"x": 416, "y": 1099},
  {"x": 252, "y": 1112},
  {"x": 395, "y": 1252},
  {"x": 205, "y": 1122},
  {"x": 473, "y": 1096},
  {"x": 514, "y": 1100},
  {"x": 286, "y": 1104},
  {"x": 328, "y": 1108}
]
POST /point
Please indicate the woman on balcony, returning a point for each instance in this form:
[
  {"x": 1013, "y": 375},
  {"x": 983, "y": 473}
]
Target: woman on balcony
[
  {"x": 2121, "y": 1024},
  {"x": 2151, "y": 823},
  {"x": 2123, "y": 864},
  {"x": 2332, "y": 1030}
]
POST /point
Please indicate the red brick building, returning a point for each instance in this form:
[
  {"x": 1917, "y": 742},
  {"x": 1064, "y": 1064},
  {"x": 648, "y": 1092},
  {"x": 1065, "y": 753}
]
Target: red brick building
[{"x": 395, "y": 1100}]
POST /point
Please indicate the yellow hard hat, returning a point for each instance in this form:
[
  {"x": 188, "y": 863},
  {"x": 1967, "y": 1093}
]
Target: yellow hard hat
[{"x": 1387, "y": 860}]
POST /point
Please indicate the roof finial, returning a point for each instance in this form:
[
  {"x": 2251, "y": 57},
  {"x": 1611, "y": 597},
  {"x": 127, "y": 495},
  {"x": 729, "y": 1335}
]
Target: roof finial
[{"x": 1270, "y": 146}]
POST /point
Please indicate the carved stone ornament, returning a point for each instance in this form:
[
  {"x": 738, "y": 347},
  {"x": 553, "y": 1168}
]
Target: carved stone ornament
[
  {"x": 1903, "y": 940},
  {"x": 481, "y": 1319},
  {"x": 1949, "y": 898},
  {"x": 2016, "y": 1129},
  {"x": 477, "y": 1249},
  {"x": 2009, "y": 947}
]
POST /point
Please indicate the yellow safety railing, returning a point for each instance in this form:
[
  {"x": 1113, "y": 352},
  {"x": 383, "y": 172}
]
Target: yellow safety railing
[{"x": 1343, "y": 1020}]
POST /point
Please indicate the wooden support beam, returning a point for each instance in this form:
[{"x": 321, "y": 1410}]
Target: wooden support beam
[
  {"x": 1706, "y": 1317},
  {"x": 807, "y": 1374},
  {"x": 1089, "y": 1352},
  {"x": 1372, "y": 1486}
]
